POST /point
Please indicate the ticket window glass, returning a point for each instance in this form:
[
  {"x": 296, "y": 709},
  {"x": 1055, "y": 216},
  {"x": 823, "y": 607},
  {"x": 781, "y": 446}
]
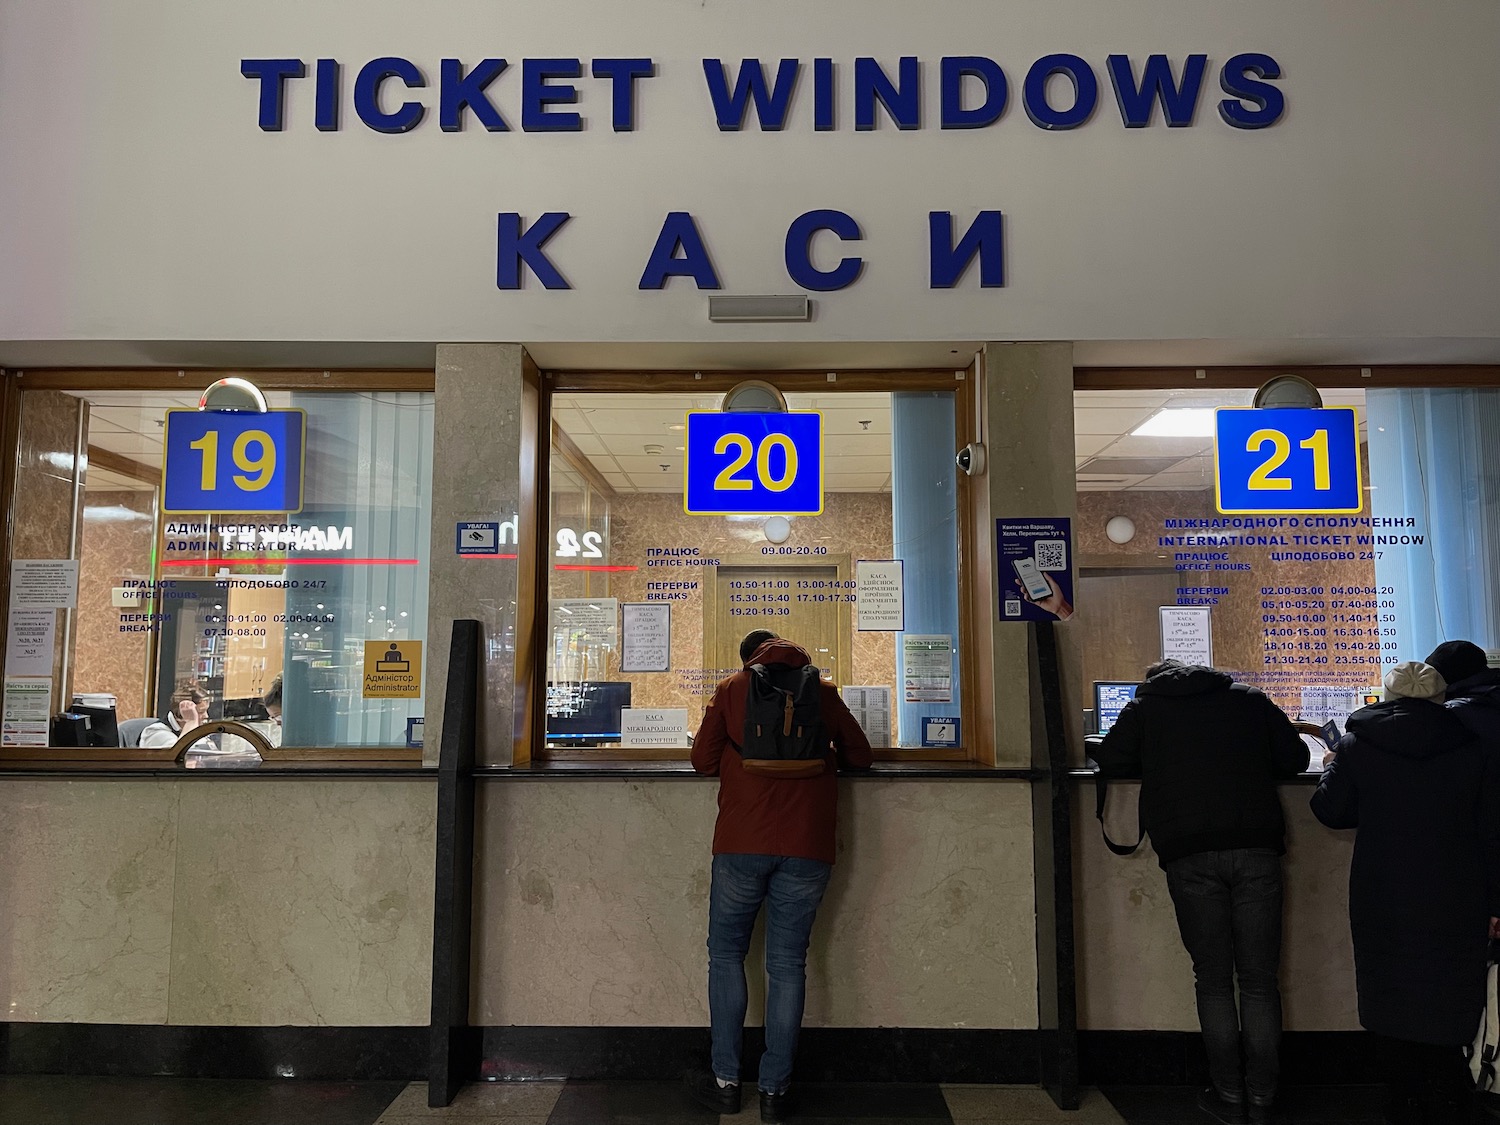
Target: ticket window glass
[
  {"x": 1313, "y": 611},
  {"x": 649, "y": 603},
  {"x": 266, "y": 618}
]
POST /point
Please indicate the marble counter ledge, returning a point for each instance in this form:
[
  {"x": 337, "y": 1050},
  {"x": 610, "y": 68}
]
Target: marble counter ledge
[
  {"x": 1089, "y": 774},
  {"x": 134, "y": 770},
  {"x": 634, "y": 771}
]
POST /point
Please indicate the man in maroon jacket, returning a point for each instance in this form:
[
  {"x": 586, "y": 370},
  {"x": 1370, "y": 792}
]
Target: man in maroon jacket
[{"x": 773, "y": 844}]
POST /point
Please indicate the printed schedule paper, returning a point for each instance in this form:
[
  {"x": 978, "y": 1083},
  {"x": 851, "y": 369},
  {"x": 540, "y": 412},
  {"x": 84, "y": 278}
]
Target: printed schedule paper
[
  {"x": 871, "y": 708},
  {"x": 646, "y": 637}
]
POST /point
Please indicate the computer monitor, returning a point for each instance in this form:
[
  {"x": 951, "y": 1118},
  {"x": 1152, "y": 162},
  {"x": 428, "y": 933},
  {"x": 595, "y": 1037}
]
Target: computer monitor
[
  {"x": 586, "y": 713},
  {"x": 103, "y": 727},
  {"x": 1110, "y": 697},
  {"x": 248, "y": 710}
]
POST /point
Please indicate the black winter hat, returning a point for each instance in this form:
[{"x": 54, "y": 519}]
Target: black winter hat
[{"x": 1458, "y": 660}]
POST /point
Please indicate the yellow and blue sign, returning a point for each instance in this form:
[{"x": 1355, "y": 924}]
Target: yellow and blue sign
[
  {"x": 225, "y": 461},
  {"x": 1283, "y": 460},
  {"x": 753, "y": 464}
]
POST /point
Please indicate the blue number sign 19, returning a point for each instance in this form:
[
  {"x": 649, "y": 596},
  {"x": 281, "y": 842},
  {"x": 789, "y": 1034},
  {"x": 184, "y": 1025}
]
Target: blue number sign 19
[
  {"x": 1279, "y": 461},
  {"x": 753, "y": 464},
  {"x": 227, "y": 462}
]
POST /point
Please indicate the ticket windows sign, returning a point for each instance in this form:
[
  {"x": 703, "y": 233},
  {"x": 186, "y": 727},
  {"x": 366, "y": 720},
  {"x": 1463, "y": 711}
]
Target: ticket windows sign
[
  {"x": 1284, "y": 460},
  {"x": 230, "y": 462},
  {"x": 739, "y": 464}
]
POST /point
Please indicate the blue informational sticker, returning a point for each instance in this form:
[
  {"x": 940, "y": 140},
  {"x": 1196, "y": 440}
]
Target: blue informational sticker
[
  {"x": 753, "y": 464},
  {"x": 939, "y": 730},
  {"x": 1280, "y": 461},
  {"x": 224, "y": 462},
  {"x": 478, "y": 538},
  {"x": 1035, "y": 571},
  {"x": 414, "y": 732}
]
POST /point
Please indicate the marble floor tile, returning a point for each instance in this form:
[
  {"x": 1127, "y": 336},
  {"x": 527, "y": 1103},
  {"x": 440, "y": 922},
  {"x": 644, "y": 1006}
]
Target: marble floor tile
[
  {"x": 1325, "y": 1105},
  {"x": 1024, "y": 1105},
  {"x": 482, "y": 1101},
  {"x": 75, "y": 1100},
  {"x": 628, "y": 1103}
]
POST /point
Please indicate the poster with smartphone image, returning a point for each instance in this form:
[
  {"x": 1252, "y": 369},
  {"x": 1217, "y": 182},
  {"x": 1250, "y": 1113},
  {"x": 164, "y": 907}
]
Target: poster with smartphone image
[{"x": 1035, "y": 571}]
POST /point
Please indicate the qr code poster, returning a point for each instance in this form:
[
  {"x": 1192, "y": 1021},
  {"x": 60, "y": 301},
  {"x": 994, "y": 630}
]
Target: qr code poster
[{"x": 1035, "y": 571}]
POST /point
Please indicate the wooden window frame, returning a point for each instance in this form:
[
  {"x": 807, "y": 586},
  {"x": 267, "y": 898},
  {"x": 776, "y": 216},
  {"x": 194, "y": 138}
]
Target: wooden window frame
[
  {"x": 978, "y": 747},
  {"x": 178, "y": 380}
]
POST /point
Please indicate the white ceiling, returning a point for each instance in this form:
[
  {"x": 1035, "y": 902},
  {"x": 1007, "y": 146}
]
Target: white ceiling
[
  {"x": 1109, "y": 458},
  {"x": 614, "y": 431},
  {"x": 745, "y": 355}
]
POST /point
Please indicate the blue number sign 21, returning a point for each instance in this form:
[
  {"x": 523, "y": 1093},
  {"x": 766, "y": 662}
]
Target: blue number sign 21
[
  {"x": 1287, "y": 461},
  {"x": 753, "y": 464},
  {"x": 227, "y": 462}
]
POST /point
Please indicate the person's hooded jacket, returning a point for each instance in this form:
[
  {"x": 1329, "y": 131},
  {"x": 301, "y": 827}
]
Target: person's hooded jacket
[
  {"x": 761, "y": 815},
  {"x": 1425, "y": 797},
  {"x": 1209, "y": 753},
  {"x": 1476, "y": 702}
]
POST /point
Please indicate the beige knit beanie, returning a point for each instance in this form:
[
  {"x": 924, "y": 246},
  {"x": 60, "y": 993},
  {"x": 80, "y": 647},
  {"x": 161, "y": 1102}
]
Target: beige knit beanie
[{"x": 1414, "y": 680}]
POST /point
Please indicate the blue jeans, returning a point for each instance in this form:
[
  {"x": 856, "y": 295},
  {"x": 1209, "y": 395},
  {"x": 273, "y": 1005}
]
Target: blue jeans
[
  {"x": 791, "y": 890},
  {"x": 1229, "y": 914}
]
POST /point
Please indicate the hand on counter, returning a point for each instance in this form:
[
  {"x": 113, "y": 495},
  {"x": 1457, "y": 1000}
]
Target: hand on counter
[{"x": 1328, "y": 757}]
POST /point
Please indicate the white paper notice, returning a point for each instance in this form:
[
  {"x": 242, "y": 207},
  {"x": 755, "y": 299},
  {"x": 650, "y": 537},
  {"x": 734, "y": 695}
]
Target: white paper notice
[
  {"x": 645, "y": 726},
  {"x": 879, "y": 600},
  {"x": 29, "y": 642},
  {"x": 1187, "y": 634},
  {"x": 599, "y": 618},
  {"x": 1332, "y": 703},
  {"x": 24, "y": 711},
  {"x": 44, "y": 583},
  {"x": 927, "y": 667},
  {"x": 646, "y": 637},
  {"x": 871, "y": 708}
]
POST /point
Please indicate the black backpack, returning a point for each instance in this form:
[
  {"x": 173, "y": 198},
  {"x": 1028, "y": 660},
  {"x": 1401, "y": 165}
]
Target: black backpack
[{"x": 784, "y": 714}]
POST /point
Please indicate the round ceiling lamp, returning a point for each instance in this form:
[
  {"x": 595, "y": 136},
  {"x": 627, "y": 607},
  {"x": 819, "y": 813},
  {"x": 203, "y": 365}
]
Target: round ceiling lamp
[
  {"x": 239, "y": 395},
  {"x": 754, "y": 396},
  {"x": 1288, "y": 391}
]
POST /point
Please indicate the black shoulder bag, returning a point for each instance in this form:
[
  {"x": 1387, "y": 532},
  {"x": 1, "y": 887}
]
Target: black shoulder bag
[{"x": 1101, "y": 794}]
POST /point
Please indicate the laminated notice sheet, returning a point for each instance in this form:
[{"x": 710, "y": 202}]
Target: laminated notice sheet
[
  {"x": 871, "y": 708},
  {"x": 927, "y": 667}
]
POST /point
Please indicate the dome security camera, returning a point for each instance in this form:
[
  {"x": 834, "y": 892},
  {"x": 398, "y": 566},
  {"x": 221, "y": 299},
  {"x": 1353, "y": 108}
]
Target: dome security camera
[{"x": 971, "y": 459}]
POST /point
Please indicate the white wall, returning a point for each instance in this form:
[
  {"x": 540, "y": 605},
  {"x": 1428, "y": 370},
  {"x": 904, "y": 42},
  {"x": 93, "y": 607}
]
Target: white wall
[{"x": 140, "y": 201}]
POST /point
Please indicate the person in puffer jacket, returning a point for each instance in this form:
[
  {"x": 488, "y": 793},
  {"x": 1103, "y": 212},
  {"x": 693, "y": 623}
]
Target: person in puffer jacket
[
  {"x": 1473, "y": 688},
  {"x": 1425, "y": 796},
  {"x": 1209, "y": 753}
]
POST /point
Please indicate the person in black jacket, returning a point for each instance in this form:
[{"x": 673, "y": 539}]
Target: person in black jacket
[
  {"x": 1425, "y": 797},
  {"x": 1209, "y": 753},
  {"x": 1473, "y": 688}
]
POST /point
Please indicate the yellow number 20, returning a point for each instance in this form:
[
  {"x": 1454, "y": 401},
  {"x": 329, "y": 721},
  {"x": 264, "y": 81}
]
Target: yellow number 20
[
  {"x": 1281, "y": 447},
  {"x": 255, "y": 472},
  {"x": 726, "y": 481},
  {"x": 745, "y": 450}
]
